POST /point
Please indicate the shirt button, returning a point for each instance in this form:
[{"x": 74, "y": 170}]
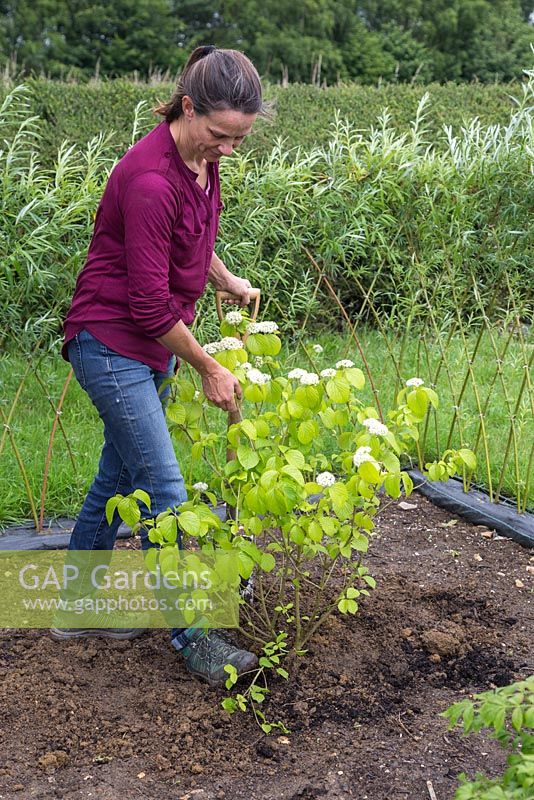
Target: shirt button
[{"x": 167, "y": 155}]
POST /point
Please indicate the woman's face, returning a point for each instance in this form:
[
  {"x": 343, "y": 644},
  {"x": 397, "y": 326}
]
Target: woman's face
[{"x": 216, "y": 134}]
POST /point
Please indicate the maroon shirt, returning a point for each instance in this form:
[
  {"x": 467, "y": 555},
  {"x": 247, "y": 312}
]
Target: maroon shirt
[{"x": 150, "y": 254}]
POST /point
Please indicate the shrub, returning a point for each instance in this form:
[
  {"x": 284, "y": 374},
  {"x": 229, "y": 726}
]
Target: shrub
[{"x": 508, "y": 713}]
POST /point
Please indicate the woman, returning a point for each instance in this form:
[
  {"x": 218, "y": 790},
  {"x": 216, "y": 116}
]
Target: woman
[{"x": 149, "y": 260}]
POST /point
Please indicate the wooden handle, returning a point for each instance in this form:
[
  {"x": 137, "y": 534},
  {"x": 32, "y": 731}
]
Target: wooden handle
[
  {"x": 254, "y": 292},
  {"x": 221, "y": 297}
]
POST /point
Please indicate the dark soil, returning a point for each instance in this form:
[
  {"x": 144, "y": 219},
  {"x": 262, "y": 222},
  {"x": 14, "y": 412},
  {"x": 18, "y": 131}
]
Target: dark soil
[{"x": 451, "y": 615}]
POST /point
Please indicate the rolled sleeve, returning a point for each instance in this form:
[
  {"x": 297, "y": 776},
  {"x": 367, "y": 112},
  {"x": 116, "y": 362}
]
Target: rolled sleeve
[{"x": 151, "y": 207}]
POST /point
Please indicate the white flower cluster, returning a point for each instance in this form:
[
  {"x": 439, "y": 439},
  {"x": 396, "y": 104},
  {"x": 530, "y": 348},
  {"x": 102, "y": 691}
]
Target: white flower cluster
[
  {"x": 246, "y": 365},
  {"x": 255, "y": 376},
  {"x": 344, "y": 364},
  {"x": 317, "y": 348},
  {"x": 325, "y": 479},
  {"x": 228, "y": 343},
  {"x": 297, "y": 373},
  {"x": 375, "y": 426},
  {"x": 328, "y": 373},
  {"x": 200, "y": 486},
  {"x": 309, "y": 379},
  {"x": 262, "y": 327},
  {"x": 362, "y": 455},
  {"x": 414, "y": 382},
  {"x": 234, "y": 317}
]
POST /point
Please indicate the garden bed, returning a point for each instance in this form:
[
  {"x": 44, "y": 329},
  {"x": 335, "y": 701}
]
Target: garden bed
[{"x": 451, "y": 615}]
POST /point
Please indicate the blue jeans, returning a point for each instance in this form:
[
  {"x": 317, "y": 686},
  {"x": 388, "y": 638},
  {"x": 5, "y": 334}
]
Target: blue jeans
[{"x": 137, "y": 452}]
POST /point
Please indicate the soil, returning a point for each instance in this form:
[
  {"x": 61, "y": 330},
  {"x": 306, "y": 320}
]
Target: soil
[{"x": 451, "y": 615}]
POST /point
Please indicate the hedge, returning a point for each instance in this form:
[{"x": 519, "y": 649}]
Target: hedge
[{"x": 303, "y": 114}]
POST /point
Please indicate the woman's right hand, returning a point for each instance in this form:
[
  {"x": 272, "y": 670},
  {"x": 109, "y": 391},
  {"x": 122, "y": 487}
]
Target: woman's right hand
[{"x": 221, "y": 386}]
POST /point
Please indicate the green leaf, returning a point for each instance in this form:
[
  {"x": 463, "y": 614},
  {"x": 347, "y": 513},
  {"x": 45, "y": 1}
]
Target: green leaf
[
  {"x": 169, "y": 560},
  {"x": 282, "y": 672},
  {"x": 434, "y": 472},
  {"x": 364, "y": 521},
  {"x": 296, "y": 410},
  {"x": 369, "y": 472},
  {"x": 267, "y": 562},
  {"x": 343, "y": 605},
  {"x": 338, "y": 389},
  {"x": 355, "y": 377},
  {"x": 417, "y": 402},
  {"x": 249, "y": 429},
  {"x": 143, "y": 496},
  {"x": 297, "y": 535},
  {"x": 432, "y": 396},
  {"x": 176, "y": 413},
  {"x": 270, "y": 478},
  {"x": 308, "y": 396},
  {"x": 340, "y": 500},
  {"x": 189, "y": 522},
  {"x": 293, "y": 473},
  {"x": 407, "y": 483},
  {"x": 185, "y": 390},
  {"x": 468, "y": 457},
  {"x": 392, "y": 485},
  {"x": 329, "y": 525},
  {"x": 277, "y": 502},
  {"x": 254, "y": 526},
  {"x": 328, "y": 418},
  {"x": 111, "y": 505},
  {"x": 307, "y": 431},
  {"x": 247, "y": 457},
  {"x": 168, "y": 528},
  {"x": 315, "y": 532},
  {"x": 295, "y": 457},
  {"x": 256, "y": 501},
  {"x": 517, "y": 719},
  {"x": 273, "y": 392},
  {"x": 246, "y": 565},
  {"x": 390, "y": 461},
  {"x": 263, "y": 344},
  {"x": 257, "y": 693},
  {"x": 229, "y": 704},
  {"x": 254, "y": 393},
  {"x": 129, "y": 511},
  {"x": 262, "y": 428},
  {"x": 272, "y": 344},
  {"x": 360, "y": 543}
]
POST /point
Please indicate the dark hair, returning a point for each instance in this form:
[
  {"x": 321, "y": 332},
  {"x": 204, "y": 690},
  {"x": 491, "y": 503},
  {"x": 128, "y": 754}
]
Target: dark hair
[{"x": 216, "y": 80}]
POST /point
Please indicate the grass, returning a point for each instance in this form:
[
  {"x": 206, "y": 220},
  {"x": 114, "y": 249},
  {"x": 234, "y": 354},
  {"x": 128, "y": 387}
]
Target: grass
[{"x": 72, "y": 470}]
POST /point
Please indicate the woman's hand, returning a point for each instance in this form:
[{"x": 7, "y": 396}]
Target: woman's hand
[
  {"x": 225, "y": 281},
  {"x": 218, "y": 383},
  {"x": 221, "y": 387},
  {"x": 239, "y": 288}
]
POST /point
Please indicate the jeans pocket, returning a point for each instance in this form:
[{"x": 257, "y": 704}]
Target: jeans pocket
[{"x": 74, "y": 351}]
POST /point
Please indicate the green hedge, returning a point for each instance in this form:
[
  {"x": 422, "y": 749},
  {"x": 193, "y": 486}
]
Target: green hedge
[
  {"x": 401, "y": 229},
  {"x": 303, "y": 114}
]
